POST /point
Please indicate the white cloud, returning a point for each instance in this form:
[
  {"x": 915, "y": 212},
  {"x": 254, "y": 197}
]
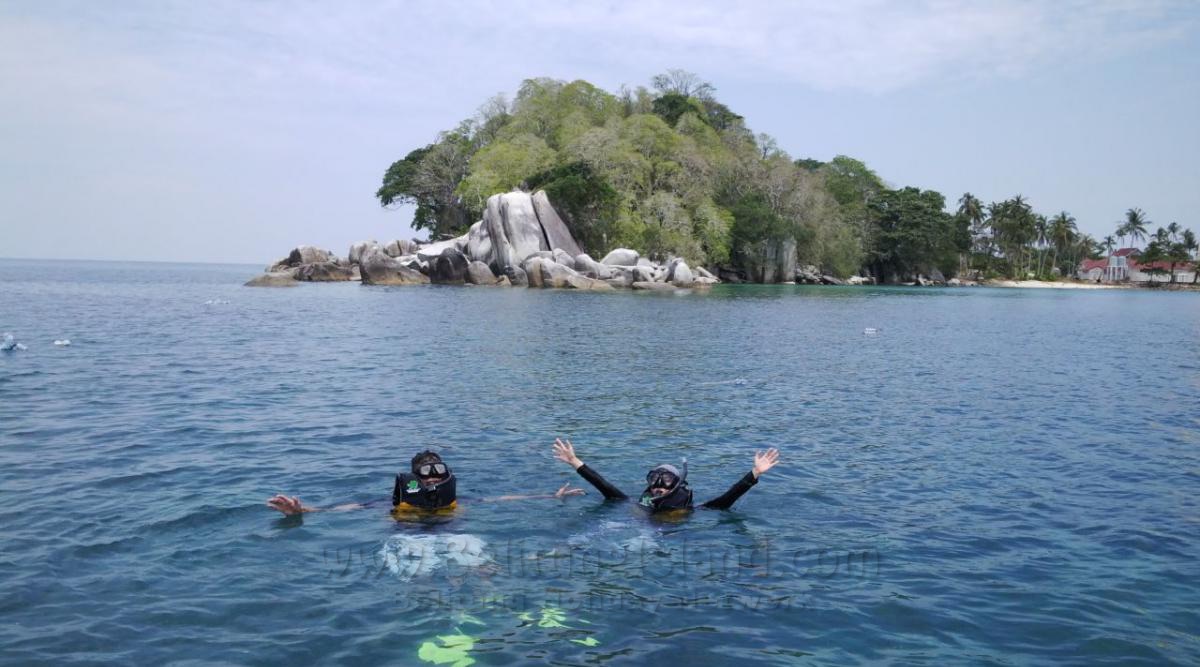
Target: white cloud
[{"x": 231, "y": 98}]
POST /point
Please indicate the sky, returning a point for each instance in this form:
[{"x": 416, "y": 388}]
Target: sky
[{"x": 233, "y": 131}]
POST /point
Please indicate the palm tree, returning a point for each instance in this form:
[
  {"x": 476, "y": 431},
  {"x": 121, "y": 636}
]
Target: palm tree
[
  {"x": 1135, "y": 224},
  {"x": 1189, "y": 244},
  {"x": 1108, "y": 244},
  {"x": 1062, "y": 230},
  {"x": 1041, "y": 234},
  {"x": 971, "y": 208}
]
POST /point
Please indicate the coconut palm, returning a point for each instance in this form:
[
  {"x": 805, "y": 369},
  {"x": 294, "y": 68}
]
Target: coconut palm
[
  {"x": 1109, "y": 244},
  {"x": 1062, "y": 231},
  {"x": 971, "y": 208},
  {"x": 1041, "y": 236},
  {"x": 1135, "y": 224},
  {"x": 1189, "y": 244}
]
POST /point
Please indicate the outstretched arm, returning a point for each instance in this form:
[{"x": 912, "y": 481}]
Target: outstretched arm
[
  {"x": 292, "y": 506},
  {"x": 563, "y": 491},
  {"x": 564, "y": 451},
  {"x": 763, "y": 461}
]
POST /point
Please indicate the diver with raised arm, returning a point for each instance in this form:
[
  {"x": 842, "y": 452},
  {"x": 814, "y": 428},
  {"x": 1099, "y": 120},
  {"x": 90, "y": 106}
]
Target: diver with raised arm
[
  {"x": 666, "y": 486},
  {"x": 429, "y": 485}
]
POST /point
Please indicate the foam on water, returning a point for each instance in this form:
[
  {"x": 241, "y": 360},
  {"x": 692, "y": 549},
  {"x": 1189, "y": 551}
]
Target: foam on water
[{"x": 413, "y": 556}]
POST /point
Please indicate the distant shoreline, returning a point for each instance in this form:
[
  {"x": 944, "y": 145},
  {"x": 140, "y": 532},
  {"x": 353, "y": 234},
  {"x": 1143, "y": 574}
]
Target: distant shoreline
[{"x": 1043, "y": 284}]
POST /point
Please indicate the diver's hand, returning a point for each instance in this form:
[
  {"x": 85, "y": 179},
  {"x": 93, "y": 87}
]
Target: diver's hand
[
  {"x": 566, "y": 490},
  {"x": 288, "y": 506},
  {"x": 564, "y": 451},
  {"x": 764, "y": 461}
]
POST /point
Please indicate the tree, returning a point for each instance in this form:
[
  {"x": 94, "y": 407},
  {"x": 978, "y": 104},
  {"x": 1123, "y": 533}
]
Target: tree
[
  {"x": 429, "y": 178},
  {"x": 971, "y": 210},
  {"x": 1062, "y": 233},
  {"x": 1108, "y": 244},
  {"x": 914, "y": 233},
  {"x": 1188, "y": 239},
  {"x": 1150, "y": 258},
  {"x": 671, "y": 106},
  {"x": 682, "y": 82},
  {"x": 1135, "y": 224},
  {"x": 1041, "y": 235}
]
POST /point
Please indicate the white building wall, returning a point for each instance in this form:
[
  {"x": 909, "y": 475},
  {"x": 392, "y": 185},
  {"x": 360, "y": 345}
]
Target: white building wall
[{"x": 1181, "y": 276}]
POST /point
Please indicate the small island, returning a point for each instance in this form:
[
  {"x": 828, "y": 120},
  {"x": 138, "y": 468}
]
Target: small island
[{"x": 670, "y": 189}]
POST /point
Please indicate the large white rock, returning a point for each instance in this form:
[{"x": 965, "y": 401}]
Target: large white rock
[
  {"x": 554, "y": 228},
  {"x": 514, "y": 229},
  {"x": 479, "y": 243},
  {"x": 563, "y": 258},
  {"x": 276, "y": 279},
  {"x": 533, "y": 270},
  {"x": 307, "y": 254},
  {"x": 478, "y": 273},
  {"x": 679, "y": 273},
  {"x": 377, "y": 268},
  {"x": 401, "y": 247},
  {"x": 585, "y": 264},
  {"x": 621, "y": 257},
  {"x": 557, "y": 275},
  {"x": 431, "y": 251},
  {"x": 357, "y": 250}
]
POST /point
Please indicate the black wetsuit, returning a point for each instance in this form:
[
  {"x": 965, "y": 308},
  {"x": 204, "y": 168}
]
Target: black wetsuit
[{"x": 721, "y": 502}]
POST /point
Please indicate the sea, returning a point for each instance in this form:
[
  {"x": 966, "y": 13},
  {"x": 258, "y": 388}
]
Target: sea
[{"x": 967, "y": 475}]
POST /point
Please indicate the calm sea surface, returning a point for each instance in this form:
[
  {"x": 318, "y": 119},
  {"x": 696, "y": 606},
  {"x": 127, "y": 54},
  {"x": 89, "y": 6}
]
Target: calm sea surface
[{"x": 995, "y": 477}]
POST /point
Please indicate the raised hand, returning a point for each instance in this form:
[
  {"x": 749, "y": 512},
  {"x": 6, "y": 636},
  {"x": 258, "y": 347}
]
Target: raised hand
[
  {"x": 288, "y": 506},
  {"x": 764, "y": 461},
  {"x": 564, "y": 451},
  {"x": 566, "y": 490}
]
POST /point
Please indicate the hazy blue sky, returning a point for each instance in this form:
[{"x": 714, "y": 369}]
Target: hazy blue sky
[{"x": 213, "y": 131}]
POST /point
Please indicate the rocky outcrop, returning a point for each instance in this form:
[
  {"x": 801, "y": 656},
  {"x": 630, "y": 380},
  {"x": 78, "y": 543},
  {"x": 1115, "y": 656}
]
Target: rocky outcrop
[
  {"x": 773, "y": 261},
  {"x": 591, "y": 268},
  {"x": 621, "y": 257},
  {"x": 358, "y": 249},
  {"x": 654, "y": 287},
  {"x": 307, "y": 254},
  {"x": 478, "y": 273},
  {"x": 521, "y": 241},
  {"x": 324, "y": 272},
  {"x": 273, "y": 279},
  {"x": 557, "y": 234},
  {"x": 560, "y": 256},
  {"x": 513, "y": 229},
  {"x": 679, "y": 273},
  {"x": 808, "y": 275},
  {"x": 479, "y": 244},
  {"x": 400, "y": 248},
  {"x": 517, "y": 276},
  {"x": 377, "y": 268},
  {"x": 533, "y": 271},
  {"x": 449, "y": 268},
  {"x": 427, "y": 253}
]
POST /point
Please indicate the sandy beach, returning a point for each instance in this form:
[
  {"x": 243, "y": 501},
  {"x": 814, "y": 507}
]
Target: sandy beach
[{"x": 1051, "y": 285}]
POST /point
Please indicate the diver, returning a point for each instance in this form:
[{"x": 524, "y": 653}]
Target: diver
[
  {"x": 666, "y": 486},
  {"x": 429, "y": 484}
]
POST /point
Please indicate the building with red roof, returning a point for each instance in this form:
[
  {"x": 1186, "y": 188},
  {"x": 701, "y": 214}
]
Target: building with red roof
[{"x": 1123, "y": 265}]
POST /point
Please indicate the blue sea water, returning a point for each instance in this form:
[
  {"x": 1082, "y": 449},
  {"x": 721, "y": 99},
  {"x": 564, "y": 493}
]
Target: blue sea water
[{"x": 995, "y": 477}]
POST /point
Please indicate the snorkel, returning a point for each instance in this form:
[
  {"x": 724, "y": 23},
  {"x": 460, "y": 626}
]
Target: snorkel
[
  {"x": 414, "y": 488},
  {"x": 677, "y": 496}
]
